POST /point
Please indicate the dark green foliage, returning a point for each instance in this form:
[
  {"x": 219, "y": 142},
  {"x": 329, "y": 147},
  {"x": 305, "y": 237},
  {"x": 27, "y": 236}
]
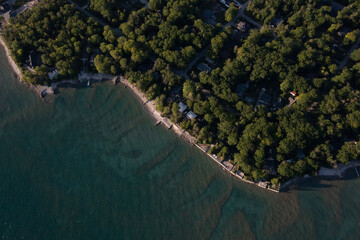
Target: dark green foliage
[
  {"x": 321, "y": 129},
  {"x": 55, "y": 30},
  {"x": 110, "y": 10},
  {"x": 231, "y": 12}
]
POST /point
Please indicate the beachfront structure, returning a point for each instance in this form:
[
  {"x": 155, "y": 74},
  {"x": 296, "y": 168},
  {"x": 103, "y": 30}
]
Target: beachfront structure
[
  {"x": 53, "y": 74},
  {"x": 190, "y": 115},
  {"x": 182, "y": 106}
]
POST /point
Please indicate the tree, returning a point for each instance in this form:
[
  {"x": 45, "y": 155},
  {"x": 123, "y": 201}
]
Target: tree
[
  {"x": 355, "y": 55},
  {"x": 275, "y": 182},
  {"x": 348, "y": 152},
  {"x": 189, "y": 89},
  {"x": 155, "y": 4},
  {"x": 175, "y": 108},
  {"x": 285, "y": 170},
  {"x": 231, "y": 12}
]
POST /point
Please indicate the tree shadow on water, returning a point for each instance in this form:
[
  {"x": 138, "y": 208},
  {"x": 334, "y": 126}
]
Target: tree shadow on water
[
  {"x": 309, "y": 184},
  {"x": 317, "y": 182}
]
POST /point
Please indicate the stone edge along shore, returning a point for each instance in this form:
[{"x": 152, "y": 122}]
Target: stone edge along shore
[{"x": 150, "y": 106}]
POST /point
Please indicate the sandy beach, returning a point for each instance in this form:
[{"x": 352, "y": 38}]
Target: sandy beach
[{"x": 11, "y": 61}]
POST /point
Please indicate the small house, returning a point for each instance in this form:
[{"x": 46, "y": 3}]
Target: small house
[
  {"x": 276, "y": 21},
  {"x": 182, "y": 106},
  {"x": 225, "y": 54},
  {"x": 300, "y": 155},
  {"x": 265, "y": 99},
  {"x": 278, "y": 102},
  {"x": 263, "y": 184},
  {"x": 242, "y": 26},
  {"x": 241, "y": 89},
  {"x": 209, "y": 17},
  {"x": 4, "y": 7},
  {"x": 249, "y": 100},
  {"x": 335, "y": 7},
  {"x": 292, "y": 93},
  {"x": 203, "y": 67},
  {"x": 53, "y": 74},
  {"x": 190, "y": 115},
  {"x": 34, "y": 59},
  {"x": 224, "y": 2}
]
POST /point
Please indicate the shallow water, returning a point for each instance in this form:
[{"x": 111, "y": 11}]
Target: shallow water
[{"x": 91, "y": 165}]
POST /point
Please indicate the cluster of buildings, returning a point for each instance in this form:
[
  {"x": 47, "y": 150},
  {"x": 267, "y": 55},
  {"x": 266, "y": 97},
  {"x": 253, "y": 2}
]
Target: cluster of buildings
[
  {"x": 264, "y": 98},
  {"x": 189, "y": 114},
  {"x": 7, "y": 11}
]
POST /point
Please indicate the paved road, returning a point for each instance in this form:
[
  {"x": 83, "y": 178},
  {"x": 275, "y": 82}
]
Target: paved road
[
  {"x": 343, "y": 63},
  {"x": 241, "y": 13},
  {"x": 203, "y": 52},
  {"x": 102, "y": 23}
]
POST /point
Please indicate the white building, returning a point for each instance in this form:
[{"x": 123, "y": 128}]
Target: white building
[
  {"x": 190, "y": 115},
  {"x": 182, "y": 106},
  {"x": 53, "y": 74}
]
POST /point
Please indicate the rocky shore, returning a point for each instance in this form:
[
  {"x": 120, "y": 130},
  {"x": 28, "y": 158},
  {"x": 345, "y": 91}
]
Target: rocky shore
[{"x": 150, "y": 106}]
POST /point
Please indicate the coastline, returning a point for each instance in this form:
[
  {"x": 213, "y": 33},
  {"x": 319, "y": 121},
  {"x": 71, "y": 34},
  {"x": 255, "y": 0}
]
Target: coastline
[
  {"x": 150, "y": 106},
  {"x": 323, "y": 172},
  {"x": 37, "y": 88},
  {"x": 14, "y": 66},
  {"x": 43, "y": 90}
]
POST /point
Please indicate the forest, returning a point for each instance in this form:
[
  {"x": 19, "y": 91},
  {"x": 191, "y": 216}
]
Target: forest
[
  {"x": 57, "y": 33},
  {"x": 295, "y": 59}
]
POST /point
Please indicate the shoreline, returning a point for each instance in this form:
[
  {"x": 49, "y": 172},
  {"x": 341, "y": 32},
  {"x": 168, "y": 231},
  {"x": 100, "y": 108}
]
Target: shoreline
[
  {"x": 43, "y": 90},
  {"x": 326, "y": 173},
  {"x": 36, "y": 88},
  {"x": 150, "y": 106},
  {"x": 183, "y": 134},
  {"x": 13, "y": 65}
]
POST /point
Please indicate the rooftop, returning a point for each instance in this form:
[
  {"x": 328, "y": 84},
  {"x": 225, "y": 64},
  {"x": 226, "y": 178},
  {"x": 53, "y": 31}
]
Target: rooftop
[
  {"x": 241, "y": 89},
  {"x": 203, "y": 67},
  {"x": 182, "y": 106},
  {"x": 190, "y": 115},
  {"x": 242, "y": 26}
]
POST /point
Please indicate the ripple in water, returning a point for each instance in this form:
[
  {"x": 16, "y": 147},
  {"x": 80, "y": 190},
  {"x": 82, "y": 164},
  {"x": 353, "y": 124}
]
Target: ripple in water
[{"x": 91, "y": 165}]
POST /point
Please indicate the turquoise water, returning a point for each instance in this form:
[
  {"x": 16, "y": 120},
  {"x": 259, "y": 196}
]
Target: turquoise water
[{"x": 91, "y": 165}]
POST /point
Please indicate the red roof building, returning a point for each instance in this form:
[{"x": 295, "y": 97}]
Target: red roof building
[{"x": 293, "y": 93}]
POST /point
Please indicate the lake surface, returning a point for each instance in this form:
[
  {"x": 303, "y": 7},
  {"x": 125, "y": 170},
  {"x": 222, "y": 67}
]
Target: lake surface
[{"x": 91, "y": 165}]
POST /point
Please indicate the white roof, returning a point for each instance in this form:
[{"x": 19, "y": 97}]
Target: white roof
[
  {"x": 191, "y": 115},
  {"x": 182, "y": 106},
  {"x": 53, "y": 74}
]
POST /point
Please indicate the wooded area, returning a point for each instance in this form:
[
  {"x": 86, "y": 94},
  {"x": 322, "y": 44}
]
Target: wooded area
[{"x": 278, "y": 104}]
